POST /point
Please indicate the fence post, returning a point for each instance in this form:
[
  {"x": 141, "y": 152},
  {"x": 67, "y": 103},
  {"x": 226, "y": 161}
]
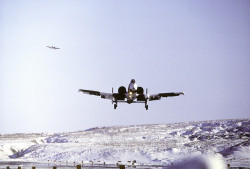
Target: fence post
[
  {"x": 78, "y": 167},
  {"x": 8, "y": 167},
  {"x": 19, "y": 167},
  {"x": 228, "y": 165},
  {"x": 33, "y": 167},
  {"x": 54, "y": 167},
  {"x": 122, "y": 166}
]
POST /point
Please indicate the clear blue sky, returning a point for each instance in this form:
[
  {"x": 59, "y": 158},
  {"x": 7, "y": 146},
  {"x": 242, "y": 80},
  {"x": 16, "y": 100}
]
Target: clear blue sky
[{"x": 199, "y": 47}]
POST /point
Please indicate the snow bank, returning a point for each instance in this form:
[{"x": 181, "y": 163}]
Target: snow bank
[
  {"x": 243, "y": 153},
  {"x": 204, "y": 162},
  {"x": 155, "y": 144}
]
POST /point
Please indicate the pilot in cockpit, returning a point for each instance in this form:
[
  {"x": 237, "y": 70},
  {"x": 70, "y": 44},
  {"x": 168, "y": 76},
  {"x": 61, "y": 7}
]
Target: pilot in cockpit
[{"x": 132, "y": 86}]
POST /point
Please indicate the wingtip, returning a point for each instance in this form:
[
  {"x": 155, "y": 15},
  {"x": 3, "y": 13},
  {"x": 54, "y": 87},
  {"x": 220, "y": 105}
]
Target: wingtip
[{"x": 183, "y": 93}]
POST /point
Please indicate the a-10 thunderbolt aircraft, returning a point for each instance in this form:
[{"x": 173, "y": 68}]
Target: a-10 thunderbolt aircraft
[
  {"x": 52, "y": 47},
  {"x": 133, "y": 95}
]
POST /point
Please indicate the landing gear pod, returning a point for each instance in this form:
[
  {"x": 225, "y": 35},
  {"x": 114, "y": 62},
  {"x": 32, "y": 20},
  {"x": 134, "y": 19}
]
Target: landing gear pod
[{"x": 146, "y": 104}]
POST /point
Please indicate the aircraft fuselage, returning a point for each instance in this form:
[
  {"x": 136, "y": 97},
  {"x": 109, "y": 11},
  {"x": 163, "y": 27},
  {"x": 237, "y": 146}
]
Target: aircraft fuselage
[{"x": 131, "y": 96}]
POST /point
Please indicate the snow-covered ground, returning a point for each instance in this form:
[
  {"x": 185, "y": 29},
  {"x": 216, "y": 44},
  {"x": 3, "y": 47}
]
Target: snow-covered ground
[{"x": 212, "y": 142}]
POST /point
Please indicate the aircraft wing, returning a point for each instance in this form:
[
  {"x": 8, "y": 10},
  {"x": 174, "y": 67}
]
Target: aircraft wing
[
  {"x": 160, "y": 95},
  {"x": 97, "y": 93}
]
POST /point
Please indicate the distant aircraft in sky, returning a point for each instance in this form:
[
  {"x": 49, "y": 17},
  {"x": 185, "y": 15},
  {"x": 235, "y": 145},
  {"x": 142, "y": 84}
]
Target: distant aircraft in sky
[
  {"x": 52, "y": 47},
  {"x": 133, "y": 95}
]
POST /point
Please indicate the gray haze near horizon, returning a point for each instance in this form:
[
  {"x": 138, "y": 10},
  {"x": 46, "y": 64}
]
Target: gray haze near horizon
[{"x": 199, "y": 47}]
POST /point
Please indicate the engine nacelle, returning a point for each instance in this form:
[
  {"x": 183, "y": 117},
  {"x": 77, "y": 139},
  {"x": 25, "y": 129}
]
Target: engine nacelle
[
  {"x": 121, "y": 93},
  {"x": 122, "y": 90},
  {"x": 140, "y": 90},
  {"x": 141, "y": 96}
]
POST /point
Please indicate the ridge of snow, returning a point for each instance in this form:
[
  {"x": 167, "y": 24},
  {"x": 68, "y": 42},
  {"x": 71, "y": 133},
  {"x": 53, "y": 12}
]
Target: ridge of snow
[{"x": 147, "y": 144}]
